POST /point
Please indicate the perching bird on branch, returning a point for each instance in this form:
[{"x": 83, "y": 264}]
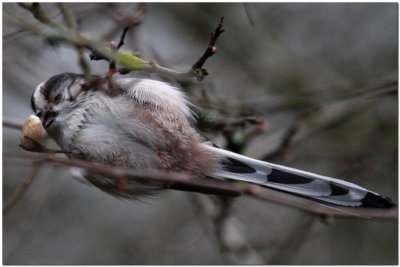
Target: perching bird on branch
[{"x": 145, "y": 124}]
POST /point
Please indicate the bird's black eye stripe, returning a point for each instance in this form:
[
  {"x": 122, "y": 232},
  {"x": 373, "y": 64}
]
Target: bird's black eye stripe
[
  {"x": 60, "y": 81},
  {"x": 33, "y": 106},
  {"x": 50, "y": 85},
  {"x": 57, "y": 98}
]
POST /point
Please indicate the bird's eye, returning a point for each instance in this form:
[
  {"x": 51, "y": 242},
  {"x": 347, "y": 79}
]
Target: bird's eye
[{"x": 57, "y": 99}]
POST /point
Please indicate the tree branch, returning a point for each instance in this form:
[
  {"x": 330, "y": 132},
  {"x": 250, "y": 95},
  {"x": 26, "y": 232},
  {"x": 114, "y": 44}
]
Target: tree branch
[
  {"x": 186, "y": 182},
  {"x": 130, "y": 61},
  {"x": 121, "y": 40},
  {"x": 59, "y": 33},
  {"x": 170, "y": 180},
  {"x": 69, "y": 18},
  {"x": 12, "y": 123},
  {"x": 41, "y": 15},
  {"x": 210, "y": 51},
  {"x": 316, "y": 118}
]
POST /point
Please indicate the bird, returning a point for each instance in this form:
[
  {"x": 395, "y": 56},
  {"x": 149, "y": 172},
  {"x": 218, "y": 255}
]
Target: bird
[{"x": 148, "y": 124}]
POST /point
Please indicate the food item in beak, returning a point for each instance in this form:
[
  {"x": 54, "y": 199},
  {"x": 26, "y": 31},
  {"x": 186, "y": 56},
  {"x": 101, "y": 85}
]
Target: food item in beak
[{"x": 32, "y": 129}]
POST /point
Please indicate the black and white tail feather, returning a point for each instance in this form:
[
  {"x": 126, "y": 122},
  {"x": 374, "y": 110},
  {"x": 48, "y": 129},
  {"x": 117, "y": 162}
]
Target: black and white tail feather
[{"x": 305, "y": 184}]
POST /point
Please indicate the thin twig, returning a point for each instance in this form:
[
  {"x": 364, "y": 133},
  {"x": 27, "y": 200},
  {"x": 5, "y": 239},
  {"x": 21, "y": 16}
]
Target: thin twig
[
  {"x": 211, "y": 49},
  {"x": 185, "y": 182},
  {"x": 122, "y": 39},
  {"x": 35, "y": 146},
  {"x": 131, "y": 62},
  {"x": 219, "y": 223},
  {"x": 41, "y": 15},
  {"x": 249, "y": 14},
  {"x": 112, "y": 66},
  {"x": 232, "y": 124},
  {"x": 171, "y": 180},
  {"x": 178, "y": 181},
  {"x": 12, "y": 123},
  {"x": 69, "y": 18},
  {"x": 71, "y": 21},
  {"x": 282, "y": 149},
  {"x": 316, "y": 118},
  {"x": 11, "y": 200},
  {"x": 197, "y": 67},
  {"x": 234, "y": 246},
  {"x": 83, "y": 63}
]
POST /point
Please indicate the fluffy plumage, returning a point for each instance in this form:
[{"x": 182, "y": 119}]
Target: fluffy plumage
[{"x": 146, "y": 124}]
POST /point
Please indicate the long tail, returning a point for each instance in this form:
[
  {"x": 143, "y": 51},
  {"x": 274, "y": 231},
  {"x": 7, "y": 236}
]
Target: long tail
[{"x": 305, "y": 184}]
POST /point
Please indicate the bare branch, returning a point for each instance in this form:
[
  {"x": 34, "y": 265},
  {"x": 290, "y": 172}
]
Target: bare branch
[
  {"x": 83, "y": 62},
  {"x": 318, "y": 117},
  {"x": 249, "y": 14},
  {"x": 35, "y": 146},
  {"x": 178, "y": 181},
  {"x": 186, "y": 182},
  {"x": 131, "y": 62},
  {"x": 41, "y": 15},
  {"x": 121, "y": 40},
  {"x": 232, "y": 124},
  {"x": 171, "y": 180},
  {"x": 287, "y": 139},
  {"x": 69, "y": 18},
  {"x": 115, "y": 47},
  {"x": 210, "y": 51},
  {"x": 71, "y": 21},
  {"x": 12, "y": 123}
]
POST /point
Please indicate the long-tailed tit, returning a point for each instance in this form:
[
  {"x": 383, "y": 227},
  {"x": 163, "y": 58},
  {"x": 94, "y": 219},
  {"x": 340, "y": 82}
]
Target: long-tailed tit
[{"x": 146, "y": 124}]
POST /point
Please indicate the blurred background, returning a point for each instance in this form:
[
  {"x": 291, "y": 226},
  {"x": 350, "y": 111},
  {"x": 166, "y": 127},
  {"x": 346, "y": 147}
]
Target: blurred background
[{"x": 326, "y": 72}]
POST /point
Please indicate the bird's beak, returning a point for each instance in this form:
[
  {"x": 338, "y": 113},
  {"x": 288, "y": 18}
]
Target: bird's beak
[{"x": 47, "y": 117}]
